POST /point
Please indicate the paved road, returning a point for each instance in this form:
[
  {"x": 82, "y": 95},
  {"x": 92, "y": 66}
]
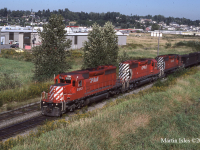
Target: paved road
[{"x": 5, "y": 46}]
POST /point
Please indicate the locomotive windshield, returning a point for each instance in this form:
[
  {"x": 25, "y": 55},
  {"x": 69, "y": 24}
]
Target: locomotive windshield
[{"x": 65, "y": 81}]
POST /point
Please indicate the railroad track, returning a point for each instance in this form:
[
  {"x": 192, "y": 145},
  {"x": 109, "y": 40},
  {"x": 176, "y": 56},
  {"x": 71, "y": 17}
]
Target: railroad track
[
  {"x": 19, "y": 112},
  {"x": 15, "y": 129}
]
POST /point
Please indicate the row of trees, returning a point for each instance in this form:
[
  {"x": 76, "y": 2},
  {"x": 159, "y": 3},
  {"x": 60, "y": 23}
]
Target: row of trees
[
  {"x": 50, "y": 57},
  {"x": 83, "y": 18}
]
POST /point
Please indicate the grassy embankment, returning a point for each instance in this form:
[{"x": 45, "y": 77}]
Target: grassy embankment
[{"x": 138, "y": 121}]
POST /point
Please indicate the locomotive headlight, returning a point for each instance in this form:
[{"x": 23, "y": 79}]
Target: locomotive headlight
[
  {"x": 68, "y": 77},
  {"x": 56, "y": 104},
  {"x": 43, "y": 102}
]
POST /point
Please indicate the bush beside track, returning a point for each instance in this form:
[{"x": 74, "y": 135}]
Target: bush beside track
[
  {"x": 22, "y": 94},
  {"x": 169, "y": 110}
]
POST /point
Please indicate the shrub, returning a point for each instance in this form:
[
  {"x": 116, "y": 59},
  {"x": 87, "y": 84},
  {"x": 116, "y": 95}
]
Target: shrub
[
  {"x": 76, "y": 54},
  {"x": 21, "y": 94},
  {"x": 193, "y": 44},
  {"x": 12, "y": 54},
  {"x": 132, "y": 46},
  {"x": 168, "y": 45},
  {"x": 27, "y": 56},
  {"x": 8, "y": 81}
]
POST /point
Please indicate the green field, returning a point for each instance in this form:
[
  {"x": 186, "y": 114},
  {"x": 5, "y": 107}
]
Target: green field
[
  {"x": 18, "y": 69},
  {"x": 147, "y": 46}
]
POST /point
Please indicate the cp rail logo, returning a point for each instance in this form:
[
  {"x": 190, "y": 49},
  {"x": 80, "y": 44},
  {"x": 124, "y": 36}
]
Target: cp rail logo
[
  {"x": 94, "y": 79},
  {"x": 144, "y": 67}
]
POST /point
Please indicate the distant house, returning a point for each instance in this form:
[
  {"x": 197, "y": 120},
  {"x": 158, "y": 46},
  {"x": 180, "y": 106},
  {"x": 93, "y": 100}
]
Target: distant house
[
  {"x": 171, "y": 28},
  {"x": 154, "y": 22},
  {"x": 148, "y": 29},
  {"x": 145, "y": 20},
  {"x": 174, "y": 24},
  {"x": 72, "y": 23}
]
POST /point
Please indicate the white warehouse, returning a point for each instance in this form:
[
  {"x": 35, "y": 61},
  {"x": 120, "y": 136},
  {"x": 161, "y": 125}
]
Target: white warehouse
[{"x": 28, "y": 37}]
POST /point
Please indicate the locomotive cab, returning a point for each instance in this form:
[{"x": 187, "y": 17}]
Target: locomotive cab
[{"x": 65, "y": 89}]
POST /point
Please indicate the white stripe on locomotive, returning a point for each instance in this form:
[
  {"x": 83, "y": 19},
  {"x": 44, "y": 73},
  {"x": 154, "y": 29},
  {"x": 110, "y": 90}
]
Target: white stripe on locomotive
[{"x": 124, "y": 71}]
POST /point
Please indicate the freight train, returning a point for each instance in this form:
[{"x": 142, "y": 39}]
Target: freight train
[{"x": 80, "y": 88}]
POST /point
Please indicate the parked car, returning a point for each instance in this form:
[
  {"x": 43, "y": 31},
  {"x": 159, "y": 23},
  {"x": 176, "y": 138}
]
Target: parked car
[{"x": 14, "y": 45}]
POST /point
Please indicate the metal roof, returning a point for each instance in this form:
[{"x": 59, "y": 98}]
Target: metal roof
[{"x": 35, "y": 31}]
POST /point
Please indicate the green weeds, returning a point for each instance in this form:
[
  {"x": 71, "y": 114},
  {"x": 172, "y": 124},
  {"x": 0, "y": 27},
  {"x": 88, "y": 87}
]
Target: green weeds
[
  {"x": 195, "y": 45},
  {"x": 22, "y": 94}
]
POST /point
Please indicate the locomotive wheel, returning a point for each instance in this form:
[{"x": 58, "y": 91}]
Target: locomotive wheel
[
  {"x": 82, "y": 103},
  {"x": 87, "y": 102},
  {"x": 72, "y": 108},
  {"x": 107, "y": 96},
  {"x": 117, "y": 92},
  {"x": 79, "y": 105}
]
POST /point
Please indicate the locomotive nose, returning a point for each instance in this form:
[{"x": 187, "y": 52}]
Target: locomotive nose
[{"x": 56, "y": 93}]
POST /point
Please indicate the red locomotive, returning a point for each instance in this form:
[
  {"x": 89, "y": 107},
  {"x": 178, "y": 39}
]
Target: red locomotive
[
  {"x": 79, "y": 88},
  {"x": 137, "y": 72}
]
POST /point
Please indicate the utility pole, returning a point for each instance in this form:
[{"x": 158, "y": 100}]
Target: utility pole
[
  {"x": 33, "y": 14},
  {"x": 158, "y": 41}
]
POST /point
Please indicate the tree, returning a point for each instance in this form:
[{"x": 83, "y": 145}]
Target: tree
[
  {"x": 111, "y": 40},
  {"x": 50, "y": 57},
  {"x": 154, "y": 27},
  {"x": 101, "y": 47}
]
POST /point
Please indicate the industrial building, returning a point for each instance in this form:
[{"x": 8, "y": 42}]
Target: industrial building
[{"x": 28, "y": 37}]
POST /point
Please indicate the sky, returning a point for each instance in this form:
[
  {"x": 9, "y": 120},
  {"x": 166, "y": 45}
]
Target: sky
[{"x": 175, "y": 8}]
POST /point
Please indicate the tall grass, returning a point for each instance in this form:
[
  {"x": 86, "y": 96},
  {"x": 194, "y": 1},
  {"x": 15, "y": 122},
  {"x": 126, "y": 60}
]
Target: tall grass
[
  {"x": 12, "y": 54},
  {"x": 22, "y": 94},
  {"x": 8, "y": 81},
  {"x": 137, "y": 121},
  {"x": 20, "y": 70},
  {"x": 195, "y": 45}
]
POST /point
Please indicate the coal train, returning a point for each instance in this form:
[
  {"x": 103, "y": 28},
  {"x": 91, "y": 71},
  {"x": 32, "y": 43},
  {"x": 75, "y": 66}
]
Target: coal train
[{"x": 80, "y": 88}]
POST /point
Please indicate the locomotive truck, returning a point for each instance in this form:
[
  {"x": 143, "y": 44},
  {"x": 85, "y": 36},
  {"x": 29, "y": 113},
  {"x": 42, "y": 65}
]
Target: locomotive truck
[{"x": 79, "y": 88}]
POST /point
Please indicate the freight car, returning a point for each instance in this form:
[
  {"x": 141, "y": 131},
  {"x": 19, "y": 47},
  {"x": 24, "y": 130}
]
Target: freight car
[
  {"x": 190, "y": 59},
  {"x": 79, "y": 88}
]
